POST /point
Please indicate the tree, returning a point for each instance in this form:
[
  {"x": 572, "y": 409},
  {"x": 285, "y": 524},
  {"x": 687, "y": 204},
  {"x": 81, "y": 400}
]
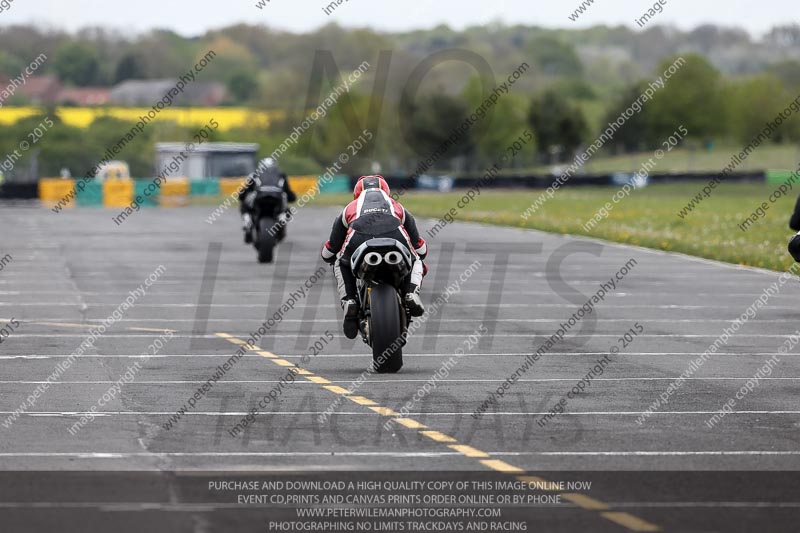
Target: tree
[
  {"x": 165, "y": 54},
  {"x": 692, "y": 98},
  {"x": 636, "y": 134},
  {"x": 788, "y": 71},
  {"x": 9, "y": 64},
  {"x": 752, "y": 101},
  {"x": 429, "y": 122},
  {"x": 231, "y": 58},
  {"x": 77, "y": 63},
  {"x": 788, "y": 35},
  {"x": 556, "y": 58},
  {"x": 243, "y": 85},
  {"x": 557, "y": 123},
  {"x": 508, "y": 122},
  {"x": 128, "y": 68}
]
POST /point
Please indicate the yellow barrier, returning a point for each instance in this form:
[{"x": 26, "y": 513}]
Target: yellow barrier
[
  {"x": 230, "y": 186},
  {"x": 117, "y": 193},
  {"x": 300, "y": 185},
  {"x": 176, "y": 187},
  {"x": 175, "y": 192},
  {"x": 303, "y": 184},
  {"x": 51, "y": 190}
]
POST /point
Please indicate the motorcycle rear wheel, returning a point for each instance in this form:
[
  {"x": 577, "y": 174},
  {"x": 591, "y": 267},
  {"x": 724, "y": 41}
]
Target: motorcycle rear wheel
[
  {"x": 266, "y": 242},
  {"x": 386, "y": 329}
]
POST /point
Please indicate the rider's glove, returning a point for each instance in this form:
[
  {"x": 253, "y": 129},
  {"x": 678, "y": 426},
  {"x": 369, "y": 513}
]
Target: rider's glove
[
  {"x": 421, "y": 248},
  {"x": 794, "y": 247},
  {"x": 327, "y": 255}
]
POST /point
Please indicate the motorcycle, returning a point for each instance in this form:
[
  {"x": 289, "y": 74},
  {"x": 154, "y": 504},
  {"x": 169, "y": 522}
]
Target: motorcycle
[
  {"x": 381, "y": 266},
  {"x": 267, "y": 206}
]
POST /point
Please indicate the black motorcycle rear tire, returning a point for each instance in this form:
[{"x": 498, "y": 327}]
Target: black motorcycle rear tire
[
  {"x": 266, "y": 242},
  {"x": 386, "y": 329}
]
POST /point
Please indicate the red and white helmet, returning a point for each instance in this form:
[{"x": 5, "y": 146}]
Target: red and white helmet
[{"x": 370, "y": 182}]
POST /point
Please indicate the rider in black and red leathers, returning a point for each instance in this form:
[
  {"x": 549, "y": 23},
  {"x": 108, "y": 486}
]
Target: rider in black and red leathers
[
  {"x": 373, "y": 213},
  {"x": 794, "y": 223},
  {"x": 267, "y": 173}
]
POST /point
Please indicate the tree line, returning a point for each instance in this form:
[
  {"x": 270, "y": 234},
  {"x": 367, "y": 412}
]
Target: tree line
[{"x": 576, "y": 85}]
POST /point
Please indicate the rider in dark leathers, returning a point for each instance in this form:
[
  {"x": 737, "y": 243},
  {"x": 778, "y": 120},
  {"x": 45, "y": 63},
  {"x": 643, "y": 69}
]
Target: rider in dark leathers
[
  {"x": 373, "y": 212},
  {"x": 267, "y": 173}
]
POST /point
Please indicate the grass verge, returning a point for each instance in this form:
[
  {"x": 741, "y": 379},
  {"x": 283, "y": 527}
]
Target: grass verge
[{"x": 648, "y": 217}]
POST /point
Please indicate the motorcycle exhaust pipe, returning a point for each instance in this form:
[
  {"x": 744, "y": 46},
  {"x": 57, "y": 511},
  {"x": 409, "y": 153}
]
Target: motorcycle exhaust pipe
[
  {"x": 393, "y": 258},
  {"x": 373, "y": 259}
]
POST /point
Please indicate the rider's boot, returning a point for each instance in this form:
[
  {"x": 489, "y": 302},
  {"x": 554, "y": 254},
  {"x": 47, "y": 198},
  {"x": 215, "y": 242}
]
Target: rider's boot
[
  {"x": 794, "y": 247},
  {"x": 247, "y": 227},
  {"x": 413, "y": 301},
  {"x": 350, "y": 324}
]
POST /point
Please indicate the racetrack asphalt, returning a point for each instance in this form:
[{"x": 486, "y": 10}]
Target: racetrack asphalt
[{"x": 71, "y": 270}]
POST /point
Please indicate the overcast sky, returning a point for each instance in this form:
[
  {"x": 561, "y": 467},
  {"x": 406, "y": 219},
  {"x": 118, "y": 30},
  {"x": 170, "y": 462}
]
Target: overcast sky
[{"x": 193, "y": 17}]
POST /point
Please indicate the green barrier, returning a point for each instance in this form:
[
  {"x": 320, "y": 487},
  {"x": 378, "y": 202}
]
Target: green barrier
[
  {"x": 778, "y": 176},
  {"x": 205, "y": 187},
  {"x": 138, "y": 192},
  {"x": 336, "y": 184},
  {"x": 91, "y": 195}
]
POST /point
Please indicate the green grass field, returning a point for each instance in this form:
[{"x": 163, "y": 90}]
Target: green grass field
[
  {"x": 772, "y": 156},
  {"x": 683, "y": 159},
  {"x": 648, "y": 217}
]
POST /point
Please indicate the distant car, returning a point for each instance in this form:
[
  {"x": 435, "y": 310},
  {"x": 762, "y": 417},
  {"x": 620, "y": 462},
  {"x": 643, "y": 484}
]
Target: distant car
[
  {"x": 557, "y": 170},
  {"x": 434, "y": 183},
  {"x": 637, "y": 181},
  {"x": 115, "y": 170}
]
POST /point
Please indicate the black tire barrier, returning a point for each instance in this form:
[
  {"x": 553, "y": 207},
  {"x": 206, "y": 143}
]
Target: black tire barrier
[
  {"x": 404, "y": 183},
  {"x": 19, "y": 191}
]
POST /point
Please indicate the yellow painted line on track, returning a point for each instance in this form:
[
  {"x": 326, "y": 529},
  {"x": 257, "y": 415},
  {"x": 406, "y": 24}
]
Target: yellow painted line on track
[
  {"x": 336, "y": 389},
  {"x": 360, "y": 400},
  {"x": 384, "y": 411},
  {"x": 623, "y": 519},
  {"x": 94, "y": 326},
  {"x": 409, "y": 423},
  {"x": 467, "y": 451},
  {"x": 437, "y": 436},
  {"x": 501, "y": 466},
  {"x": 64, "y": 325},
  {"x": 584, "y": 501},
  {"x": 629, "y": 521}
]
